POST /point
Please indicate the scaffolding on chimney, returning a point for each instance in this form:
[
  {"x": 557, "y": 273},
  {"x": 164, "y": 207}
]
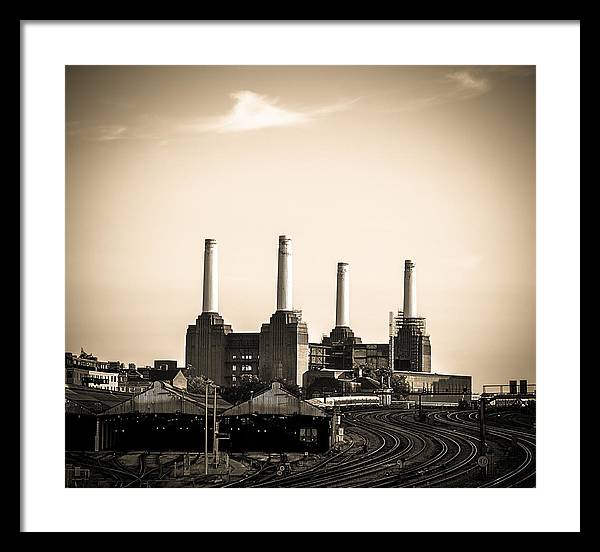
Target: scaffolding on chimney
[{"x": 407, "y": 336}]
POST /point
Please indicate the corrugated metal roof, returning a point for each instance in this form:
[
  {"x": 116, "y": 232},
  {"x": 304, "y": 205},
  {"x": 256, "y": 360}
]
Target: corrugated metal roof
[
  {"x": 87, "y": 400},
  {"x": 163, "y": 398},
  {"x": 276, "y": 401}
]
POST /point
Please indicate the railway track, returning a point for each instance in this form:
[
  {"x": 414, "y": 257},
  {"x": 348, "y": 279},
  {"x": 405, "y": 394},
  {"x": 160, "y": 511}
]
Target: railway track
[
  {"x": 439, "y": 453},
  {"x": 111, "y": 466},
  {"x": 521, "y": 475},
  {"x": 385, "y": 445},
  {"x": 106, "y": 465},
  {"x": 384, "y": 448},
  {"x": 454, "y": 460}
]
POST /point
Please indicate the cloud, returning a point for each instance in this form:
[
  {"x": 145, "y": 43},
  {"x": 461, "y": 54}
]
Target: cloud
[
  {"x": 252, "y": 111},
  {"x": 454, "y": 86},
  {"x": 96, "y": 133},
  {"x": 468, "y": 84},
  {"x": 108, "y": 133},
  {"x": 112, "y": 132},
  {"x": 509, "y": 71}
]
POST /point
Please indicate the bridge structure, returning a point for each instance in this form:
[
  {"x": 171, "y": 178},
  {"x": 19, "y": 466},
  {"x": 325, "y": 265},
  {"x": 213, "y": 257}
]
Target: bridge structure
[
  {"x": 507, "y": 395},
  {"x": 512, "y": 392},
  {"x": 464, "y": 394}
]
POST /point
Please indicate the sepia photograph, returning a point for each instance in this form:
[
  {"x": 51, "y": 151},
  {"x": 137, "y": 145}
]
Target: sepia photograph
[{"x": 300, "y": 276}]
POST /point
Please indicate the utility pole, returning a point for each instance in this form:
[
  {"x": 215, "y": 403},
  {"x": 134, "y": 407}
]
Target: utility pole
[
  {"x": 215, "y": 440},
  {"x": 482, "y": 446},
  {"x": 206, "y": 428}
]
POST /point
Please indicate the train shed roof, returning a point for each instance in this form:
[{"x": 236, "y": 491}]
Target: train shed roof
[
  {"x": 164, "y": 398},
  {"x": 87, "y": 400},
  {"x": 278, "y": 402}
]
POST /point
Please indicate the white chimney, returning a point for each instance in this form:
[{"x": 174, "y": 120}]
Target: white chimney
[
  {"x": 284, "y": 274},
  {"x": 410, "y": 290},
  {"x": 342, "y": 303},
  {"x": 210, "y": 295}
]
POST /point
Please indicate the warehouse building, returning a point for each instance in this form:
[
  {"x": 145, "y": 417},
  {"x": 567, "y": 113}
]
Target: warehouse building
[
  {"x": 434, "y": 386},
  {"x": 161, "y": 418},
  {"x": 277, "y": 421},
  {"x": 82, "y": 407}
]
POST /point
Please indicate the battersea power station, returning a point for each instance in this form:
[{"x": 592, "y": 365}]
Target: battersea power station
[{"x": 281, "y": 351}]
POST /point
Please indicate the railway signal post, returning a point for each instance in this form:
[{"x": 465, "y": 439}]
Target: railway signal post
[
  {"x": 206, "y": 427},
  {"x": 482, "y": 445},
  {"x": 215, "y": 430}
]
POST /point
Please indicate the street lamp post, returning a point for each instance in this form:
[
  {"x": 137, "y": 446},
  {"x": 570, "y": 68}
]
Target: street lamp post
[
  {"x": 482, "y": 444},
  {"x": 207, "y": 385},
  {"x": 215, "y": 440}
]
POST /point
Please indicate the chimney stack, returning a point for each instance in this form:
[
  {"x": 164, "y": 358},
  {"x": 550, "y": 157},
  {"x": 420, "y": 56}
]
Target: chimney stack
[
  {"x": 210, "y": 291},
  {"x": 284, "y": 274},
  {"x": 342, "y": 304},
  {"x": 410, "y": 290}
]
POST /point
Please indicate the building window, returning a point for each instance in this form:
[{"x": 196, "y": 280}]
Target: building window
[
  {"x": 308, "y": 434},
  {"x": 234, "y": 368}
]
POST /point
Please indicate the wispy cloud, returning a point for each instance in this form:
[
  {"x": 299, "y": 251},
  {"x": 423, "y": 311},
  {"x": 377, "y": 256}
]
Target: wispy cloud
[
  {"x": 252, "y": 111},
  {"x": 508, "y": 71},
  {"x": 467, "y": 84},
  {"x": 454, "y": 86},
  {"x": 108, "y": 133},
  {"x": 113, "y": 132}
]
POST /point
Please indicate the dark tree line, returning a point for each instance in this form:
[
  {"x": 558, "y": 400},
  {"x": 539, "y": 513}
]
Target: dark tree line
[{"x": 247, "y": 386}]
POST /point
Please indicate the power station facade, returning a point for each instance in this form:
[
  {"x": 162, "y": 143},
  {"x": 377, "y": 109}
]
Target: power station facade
[{"x": 281, "y": 350}]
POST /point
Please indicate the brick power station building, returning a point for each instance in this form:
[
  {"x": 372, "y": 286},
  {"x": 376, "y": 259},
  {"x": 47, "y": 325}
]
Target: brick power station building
[{"x": 281, "y": 351}]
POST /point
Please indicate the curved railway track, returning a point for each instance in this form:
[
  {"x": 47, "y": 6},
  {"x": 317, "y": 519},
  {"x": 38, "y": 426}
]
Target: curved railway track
[
  {"x": 111, "y": 466},
  {"x": 385, "y": 445},
  {"x": 521, "y": 475},
  {"x": 455, "y": 459},
  {"x": 440, "y": 452},
  {"x": 383, "y": 448}
]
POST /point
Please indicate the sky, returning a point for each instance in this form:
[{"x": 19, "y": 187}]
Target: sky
[{"x": 369, "y": 165}]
